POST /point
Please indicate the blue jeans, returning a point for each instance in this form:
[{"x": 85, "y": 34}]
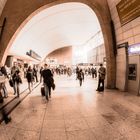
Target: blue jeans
[{"x": 46, "y": 91}]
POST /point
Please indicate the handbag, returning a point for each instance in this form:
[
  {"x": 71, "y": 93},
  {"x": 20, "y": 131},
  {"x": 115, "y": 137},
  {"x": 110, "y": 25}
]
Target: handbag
[
  {"x": 17, "y": 78},
  {"x": 52, "y": 82},
  {"x": 11, "y": 83},
  {"x": 53, "y": 86}
]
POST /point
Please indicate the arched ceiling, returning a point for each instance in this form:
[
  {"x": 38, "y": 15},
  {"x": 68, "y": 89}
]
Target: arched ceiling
[{"x": 67, "y": 24}]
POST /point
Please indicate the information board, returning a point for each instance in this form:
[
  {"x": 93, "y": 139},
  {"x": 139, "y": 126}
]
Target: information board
[{"x": 128, "y": 10}]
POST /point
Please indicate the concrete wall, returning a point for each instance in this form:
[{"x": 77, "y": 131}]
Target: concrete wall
[
  {"x": 128, "y": 33},
  {"x": 134, "y": 85},
  {"x": 121, "y": 68},
  {"x": 96, "y": 55},
  {"x": 63, "y": 55},
  {"x": 2, "y": 4}
]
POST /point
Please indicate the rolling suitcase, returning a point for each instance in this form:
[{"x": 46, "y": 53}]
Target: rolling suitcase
[{"x": 42, "y": 91}]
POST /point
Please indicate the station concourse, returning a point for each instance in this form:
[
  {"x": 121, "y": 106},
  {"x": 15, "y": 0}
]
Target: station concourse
[
  {"x": 74, "y": 113},
  {"x": 87, "y": 52}
]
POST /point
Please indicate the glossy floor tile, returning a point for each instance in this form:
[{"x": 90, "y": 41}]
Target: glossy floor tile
[{"x": 75, "y": 113}]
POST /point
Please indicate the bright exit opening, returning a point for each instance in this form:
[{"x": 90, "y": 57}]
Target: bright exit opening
[{"x": 69, "y": 25}]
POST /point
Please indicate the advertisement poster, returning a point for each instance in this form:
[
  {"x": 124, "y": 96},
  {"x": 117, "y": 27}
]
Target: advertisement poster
[{"x": 132, "y": 71}]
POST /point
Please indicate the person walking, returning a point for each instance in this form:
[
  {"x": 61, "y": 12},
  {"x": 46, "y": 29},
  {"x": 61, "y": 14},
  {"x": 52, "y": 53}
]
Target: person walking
[
  {"x": 93, "y": 72},
  {"x": 77, "y": 71},
  {"x": 17, "y": 81},
  {"x": 41, "y": 69},
  {"x": 3, "y": 73},
  {"x": 80, "y": 76},
  {"x": 35, "y": 71},
  {"x": 102, "y": 73},
  {"x": 29, "y": 76},
  {"x": 47, "y": 79},
  {"x": 13, "y": 71}
]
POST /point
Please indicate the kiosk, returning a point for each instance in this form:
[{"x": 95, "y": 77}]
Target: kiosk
[{"x": 134, "y": 68}]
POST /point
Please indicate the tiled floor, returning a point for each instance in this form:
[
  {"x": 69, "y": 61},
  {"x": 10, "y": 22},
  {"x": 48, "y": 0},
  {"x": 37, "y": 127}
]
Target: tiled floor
[
  {"x": 75, "y": 113},
  {"x": 10, "y": 91}
]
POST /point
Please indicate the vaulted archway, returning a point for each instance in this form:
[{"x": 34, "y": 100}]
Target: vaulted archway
[{"x": 20, "y": 12}]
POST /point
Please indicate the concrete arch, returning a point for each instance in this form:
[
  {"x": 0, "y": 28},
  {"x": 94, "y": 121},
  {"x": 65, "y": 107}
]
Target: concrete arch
[{"x": 20, "y": 12}]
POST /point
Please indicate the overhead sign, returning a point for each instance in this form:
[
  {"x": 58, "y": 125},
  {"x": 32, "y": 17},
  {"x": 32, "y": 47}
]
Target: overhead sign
[
  {"x": 85, "y": 64},
  {"x": 134, "y": 49},
  {"x": 123, "y": 45},
  {"x": 33, "y": 54},
  {"x": 128, "y": 10}
]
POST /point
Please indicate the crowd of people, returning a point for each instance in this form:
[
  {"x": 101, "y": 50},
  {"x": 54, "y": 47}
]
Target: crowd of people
[
  {"x": 15, "y": 78},
  {"x": 34, "y": 74},
  {"x": 31, "y": 73}
]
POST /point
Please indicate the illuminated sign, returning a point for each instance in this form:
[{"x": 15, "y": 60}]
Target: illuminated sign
[{"x": 134, "y": 49}]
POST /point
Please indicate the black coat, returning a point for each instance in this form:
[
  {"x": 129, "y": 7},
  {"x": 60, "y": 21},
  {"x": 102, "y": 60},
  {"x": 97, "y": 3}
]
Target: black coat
[
  {"x": 29, "y": 76},
  {"x": 47, "y": 76}
]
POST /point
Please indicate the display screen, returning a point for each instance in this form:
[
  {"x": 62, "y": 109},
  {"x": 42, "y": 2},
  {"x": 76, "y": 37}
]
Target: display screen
[
  {"x": 128, "y": 10},
  {"x": 134, "y": 49}
]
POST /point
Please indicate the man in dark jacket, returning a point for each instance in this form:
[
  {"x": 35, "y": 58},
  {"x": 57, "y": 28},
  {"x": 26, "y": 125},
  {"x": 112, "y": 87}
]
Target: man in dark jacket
[
  {"x": 47, "y": 76},
  {"x": 102, "y": 73}
]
